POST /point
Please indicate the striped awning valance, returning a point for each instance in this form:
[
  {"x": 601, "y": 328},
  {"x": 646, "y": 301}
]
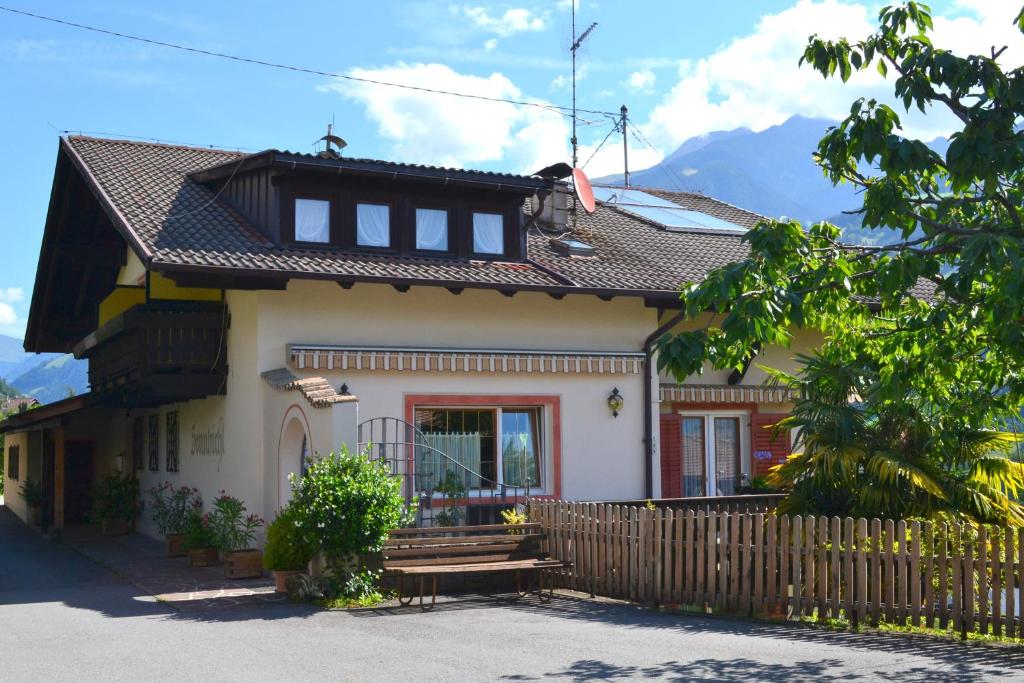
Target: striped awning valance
[
  {"x": 316, "y": 357},
  {"x": 723, "y": 393}
]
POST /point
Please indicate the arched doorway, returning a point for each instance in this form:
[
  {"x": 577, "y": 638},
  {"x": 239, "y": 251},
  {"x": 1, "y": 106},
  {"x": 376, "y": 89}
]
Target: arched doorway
[{"x": 293, "y": 452}]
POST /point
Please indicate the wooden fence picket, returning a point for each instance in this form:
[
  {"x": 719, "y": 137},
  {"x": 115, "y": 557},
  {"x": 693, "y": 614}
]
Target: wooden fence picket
[
  {"x": 699, "y": 566},
  {"x": 757, "y": 598},
  {"x": 797, "y": 560},
  {"x": 822, "y": 567},
  {"x": 915, "y": 573},
  {"x": 997, "y": 586},
  {"x": 901, "y": 572},
  {"x": 928, "y": 533},
  {"x": 772, "y": 575},
  {"x": 981, "y": 568},
  {"x": 861, "y": 599},
  {"x": 810, "y": 565},
  {"x": 1011, "y": 584}
]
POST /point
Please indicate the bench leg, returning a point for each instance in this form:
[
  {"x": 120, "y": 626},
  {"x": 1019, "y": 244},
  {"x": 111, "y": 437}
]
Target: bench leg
[
  {"x": 403, "y": 601},
  {"x": 540, "y": 587},
  {"x": 433, "y": 594}
]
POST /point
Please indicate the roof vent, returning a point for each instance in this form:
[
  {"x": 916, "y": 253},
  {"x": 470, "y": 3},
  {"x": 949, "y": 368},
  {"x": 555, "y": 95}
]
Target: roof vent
[
  {"x": 329, "y": 140},
  {"x": 568, "y": 246}
]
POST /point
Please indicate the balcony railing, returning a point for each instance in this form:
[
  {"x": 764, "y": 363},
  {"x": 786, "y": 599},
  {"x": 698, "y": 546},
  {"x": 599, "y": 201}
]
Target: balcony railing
[{"x": 159, "y": 352}]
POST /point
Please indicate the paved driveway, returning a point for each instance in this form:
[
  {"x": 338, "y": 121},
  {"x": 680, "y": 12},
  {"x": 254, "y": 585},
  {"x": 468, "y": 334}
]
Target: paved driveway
[{"x": 63, "y": 617}]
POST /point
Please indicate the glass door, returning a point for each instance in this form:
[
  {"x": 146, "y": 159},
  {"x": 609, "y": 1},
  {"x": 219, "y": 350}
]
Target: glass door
[{"x": 712, "y": 448}]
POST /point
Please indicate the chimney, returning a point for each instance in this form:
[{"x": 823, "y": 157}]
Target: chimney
[{"x": 553, "y": 205}]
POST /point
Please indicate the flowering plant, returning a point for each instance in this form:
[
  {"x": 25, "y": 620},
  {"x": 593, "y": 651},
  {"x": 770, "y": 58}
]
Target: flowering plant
[
  {"x": 198, "y": 533},
  {"x": 171, "y": 507},
  {"x": 232, "y": 528}
]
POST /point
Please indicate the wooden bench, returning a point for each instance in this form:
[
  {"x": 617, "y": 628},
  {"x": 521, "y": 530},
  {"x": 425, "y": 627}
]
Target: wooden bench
[{"x": 411, "y": 554}]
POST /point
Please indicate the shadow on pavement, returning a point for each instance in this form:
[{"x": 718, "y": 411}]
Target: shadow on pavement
[{"x": 963, "y": 659}]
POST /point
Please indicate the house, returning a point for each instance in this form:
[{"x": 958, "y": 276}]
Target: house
[
  {"x": 242, "y": 311},
  {"x": 18, "y": 404}
]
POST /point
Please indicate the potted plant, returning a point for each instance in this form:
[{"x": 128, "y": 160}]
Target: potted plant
[
  {"x": 200, "y": 541},
  {"x": 170, "y": 512},
  {"x": 287, "y": 553},
  {"x": 32, "y": 493},
  {"x": 117, "y": 504},
  {"x": 234, "y": 532}
]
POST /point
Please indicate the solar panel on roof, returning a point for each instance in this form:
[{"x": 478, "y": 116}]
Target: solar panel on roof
[{"x": 668, "y": 214}]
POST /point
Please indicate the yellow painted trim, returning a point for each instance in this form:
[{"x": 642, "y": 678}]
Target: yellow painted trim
[
  {"x": 119, "y": 301},
  {"x": 162, "y": 287}
]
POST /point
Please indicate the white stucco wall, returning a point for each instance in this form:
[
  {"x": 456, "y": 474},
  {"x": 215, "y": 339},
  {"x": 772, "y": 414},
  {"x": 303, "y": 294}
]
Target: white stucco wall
[{"x": 601, "y": 455}]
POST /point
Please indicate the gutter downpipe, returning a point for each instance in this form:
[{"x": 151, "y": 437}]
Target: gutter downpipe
[{"x": 649, "y": 399}]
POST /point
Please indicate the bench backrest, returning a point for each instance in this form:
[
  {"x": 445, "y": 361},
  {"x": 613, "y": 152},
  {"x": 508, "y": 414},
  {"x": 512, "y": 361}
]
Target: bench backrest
[{"x": 462, "y": 545}]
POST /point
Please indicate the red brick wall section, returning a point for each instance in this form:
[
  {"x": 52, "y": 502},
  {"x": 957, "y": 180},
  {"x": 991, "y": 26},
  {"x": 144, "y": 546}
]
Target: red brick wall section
[
  {"x": 671, "y": 456},
  {"x": 761, "y": 442}
]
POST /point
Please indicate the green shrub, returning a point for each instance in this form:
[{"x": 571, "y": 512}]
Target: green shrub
[
  {"x": 170, "y": 507},
  {"x": 232, "y": 528},
  {"x": 286, "y": 549},
  {"x": 32, "y": 493},
  {"x": 117, "y": 498},
  {"x": 346, "y": 505},
  {"x": 198, "y": 533}
]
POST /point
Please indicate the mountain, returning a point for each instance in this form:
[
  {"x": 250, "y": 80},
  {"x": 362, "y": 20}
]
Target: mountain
[
  {"x": 47, "y": 376},
  {"x": 55, "y": 378}
]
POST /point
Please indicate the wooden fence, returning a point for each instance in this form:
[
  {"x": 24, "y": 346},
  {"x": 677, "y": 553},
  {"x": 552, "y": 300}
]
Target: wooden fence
[
  {"x": 865, "y": 571},
  {"x": 746, "y": 503}
]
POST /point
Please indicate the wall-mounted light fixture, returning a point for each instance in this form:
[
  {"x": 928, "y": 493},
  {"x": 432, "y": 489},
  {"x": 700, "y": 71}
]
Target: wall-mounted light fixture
[{"x": 615, "y": 402}]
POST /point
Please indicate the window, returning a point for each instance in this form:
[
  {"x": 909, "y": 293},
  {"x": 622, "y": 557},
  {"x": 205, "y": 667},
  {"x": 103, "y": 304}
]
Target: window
[
  {"x": 313, "y": 221},
  {"x": 154, "y": 443},
  {"x": 432, "y": 229},
  {"x": 138, "y": 444},
  {"x": 171, "y": 448},
  {"x": 14, "y": 462},
  {"x": 373, "y": 225},
  {"x": 491, "y": 446},
  {"x": 713, "y": 444},
  {"x": 488, "y": 233}
]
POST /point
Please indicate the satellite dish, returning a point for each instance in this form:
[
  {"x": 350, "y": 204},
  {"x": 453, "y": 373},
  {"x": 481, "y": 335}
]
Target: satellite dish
[
  {"x": 584, "y": 192},
  {"x": 331, "y": 139}
]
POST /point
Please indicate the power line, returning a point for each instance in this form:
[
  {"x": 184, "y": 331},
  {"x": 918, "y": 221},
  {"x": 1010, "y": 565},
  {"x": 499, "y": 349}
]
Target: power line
[
  {"x": 676, "y": 178},
  {"x": 564, "y": 111},
  {"x": 598, "y": 148}
]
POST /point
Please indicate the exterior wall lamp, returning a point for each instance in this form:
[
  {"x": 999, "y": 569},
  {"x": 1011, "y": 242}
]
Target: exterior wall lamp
[{"x": 615, "y": 402}]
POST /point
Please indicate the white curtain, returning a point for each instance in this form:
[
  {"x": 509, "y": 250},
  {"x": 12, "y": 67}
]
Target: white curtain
[
  {"x": 462, "y": 448},
  {"x": 488, "y": 233},
  {"x": 432, "y": 229},
  {"x": 373, "y": 225},
  {"x": 312, "y": 220}
]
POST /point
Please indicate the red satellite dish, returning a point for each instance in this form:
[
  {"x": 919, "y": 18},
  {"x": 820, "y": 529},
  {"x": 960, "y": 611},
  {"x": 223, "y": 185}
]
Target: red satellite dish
[{"x": 584, "y": 192}]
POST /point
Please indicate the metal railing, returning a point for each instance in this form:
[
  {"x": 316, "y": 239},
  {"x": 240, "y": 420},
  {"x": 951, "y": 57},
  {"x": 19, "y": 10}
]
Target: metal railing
[{"x": 448, "y": 492}]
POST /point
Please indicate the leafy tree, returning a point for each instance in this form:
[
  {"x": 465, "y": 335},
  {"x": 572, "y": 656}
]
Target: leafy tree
[{"x": 925, "y": 335}]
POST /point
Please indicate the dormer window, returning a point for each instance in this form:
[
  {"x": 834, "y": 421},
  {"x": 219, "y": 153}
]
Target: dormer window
[
  {"x": 488, "y": 233},
  {"x": 432, "y": 229},
  {"x": 313, "y": 221},
  {"x": 373, "y": 225}
]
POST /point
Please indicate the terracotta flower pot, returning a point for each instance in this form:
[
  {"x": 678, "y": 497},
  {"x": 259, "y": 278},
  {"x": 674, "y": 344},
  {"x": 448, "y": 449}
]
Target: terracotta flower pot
[
  {"x": 243, "y": 564},
  {"x": 281, "y": 579},
  {"x": 176, "y": 545},
  {"x": 203, "y": 557},
  {"x": 115, "y": 527}
]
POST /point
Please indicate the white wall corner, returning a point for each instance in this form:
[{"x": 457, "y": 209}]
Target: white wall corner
[{"x": 345, "y": 425}]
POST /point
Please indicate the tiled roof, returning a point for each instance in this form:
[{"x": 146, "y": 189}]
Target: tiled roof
[{"x": 180, "y": 222}]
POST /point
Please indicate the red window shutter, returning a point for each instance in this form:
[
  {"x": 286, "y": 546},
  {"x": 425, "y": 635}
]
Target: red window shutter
[
  {"x": 671, "y": 456},
  {"x": 767, "y": 451}
]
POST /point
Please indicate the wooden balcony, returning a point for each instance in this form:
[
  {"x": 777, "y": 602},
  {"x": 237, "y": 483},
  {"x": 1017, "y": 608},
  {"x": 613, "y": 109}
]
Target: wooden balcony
[{"x": 159, "y": 352}]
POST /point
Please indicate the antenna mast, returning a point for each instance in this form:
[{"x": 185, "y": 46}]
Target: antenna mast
[{"x": 576, "y": 42}]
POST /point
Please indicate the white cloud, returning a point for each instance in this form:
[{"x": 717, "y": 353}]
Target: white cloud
[
  {"x": 512, "y": 21},
  {"x": 12, "y": 295},
  {"x": 437, "y": 129},
  {"x": 641, "y": 81},
  {"x": 7, "y": 314},
  {"x": 489, "y": 45},
  {"x": 756, "y": 81}
]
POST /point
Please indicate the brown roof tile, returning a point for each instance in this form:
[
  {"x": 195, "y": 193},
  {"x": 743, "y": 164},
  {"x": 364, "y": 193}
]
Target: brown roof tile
[{"x": 180, "y": 222}]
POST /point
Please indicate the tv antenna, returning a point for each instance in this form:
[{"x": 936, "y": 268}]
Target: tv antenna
[
  {"x": 331, "y": 139},
  {"x": 577, "y": 41}
]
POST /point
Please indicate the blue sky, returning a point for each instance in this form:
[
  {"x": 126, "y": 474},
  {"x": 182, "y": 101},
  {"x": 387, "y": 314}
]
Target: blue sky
[{"x": 683, "y": 67}]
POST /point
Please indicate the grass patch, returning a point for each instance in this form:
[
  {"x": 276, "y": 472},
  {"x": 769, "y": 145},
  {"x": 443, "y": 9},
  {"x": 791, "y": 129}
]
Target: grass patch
[{"x": 370, "y": 600}]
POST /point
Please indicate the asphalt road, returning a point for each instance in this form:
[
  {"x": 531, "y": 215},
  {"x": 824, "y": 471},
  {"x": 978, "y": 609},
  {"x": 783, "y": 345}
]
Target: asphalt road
[{"x": 65, "y": 618}]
